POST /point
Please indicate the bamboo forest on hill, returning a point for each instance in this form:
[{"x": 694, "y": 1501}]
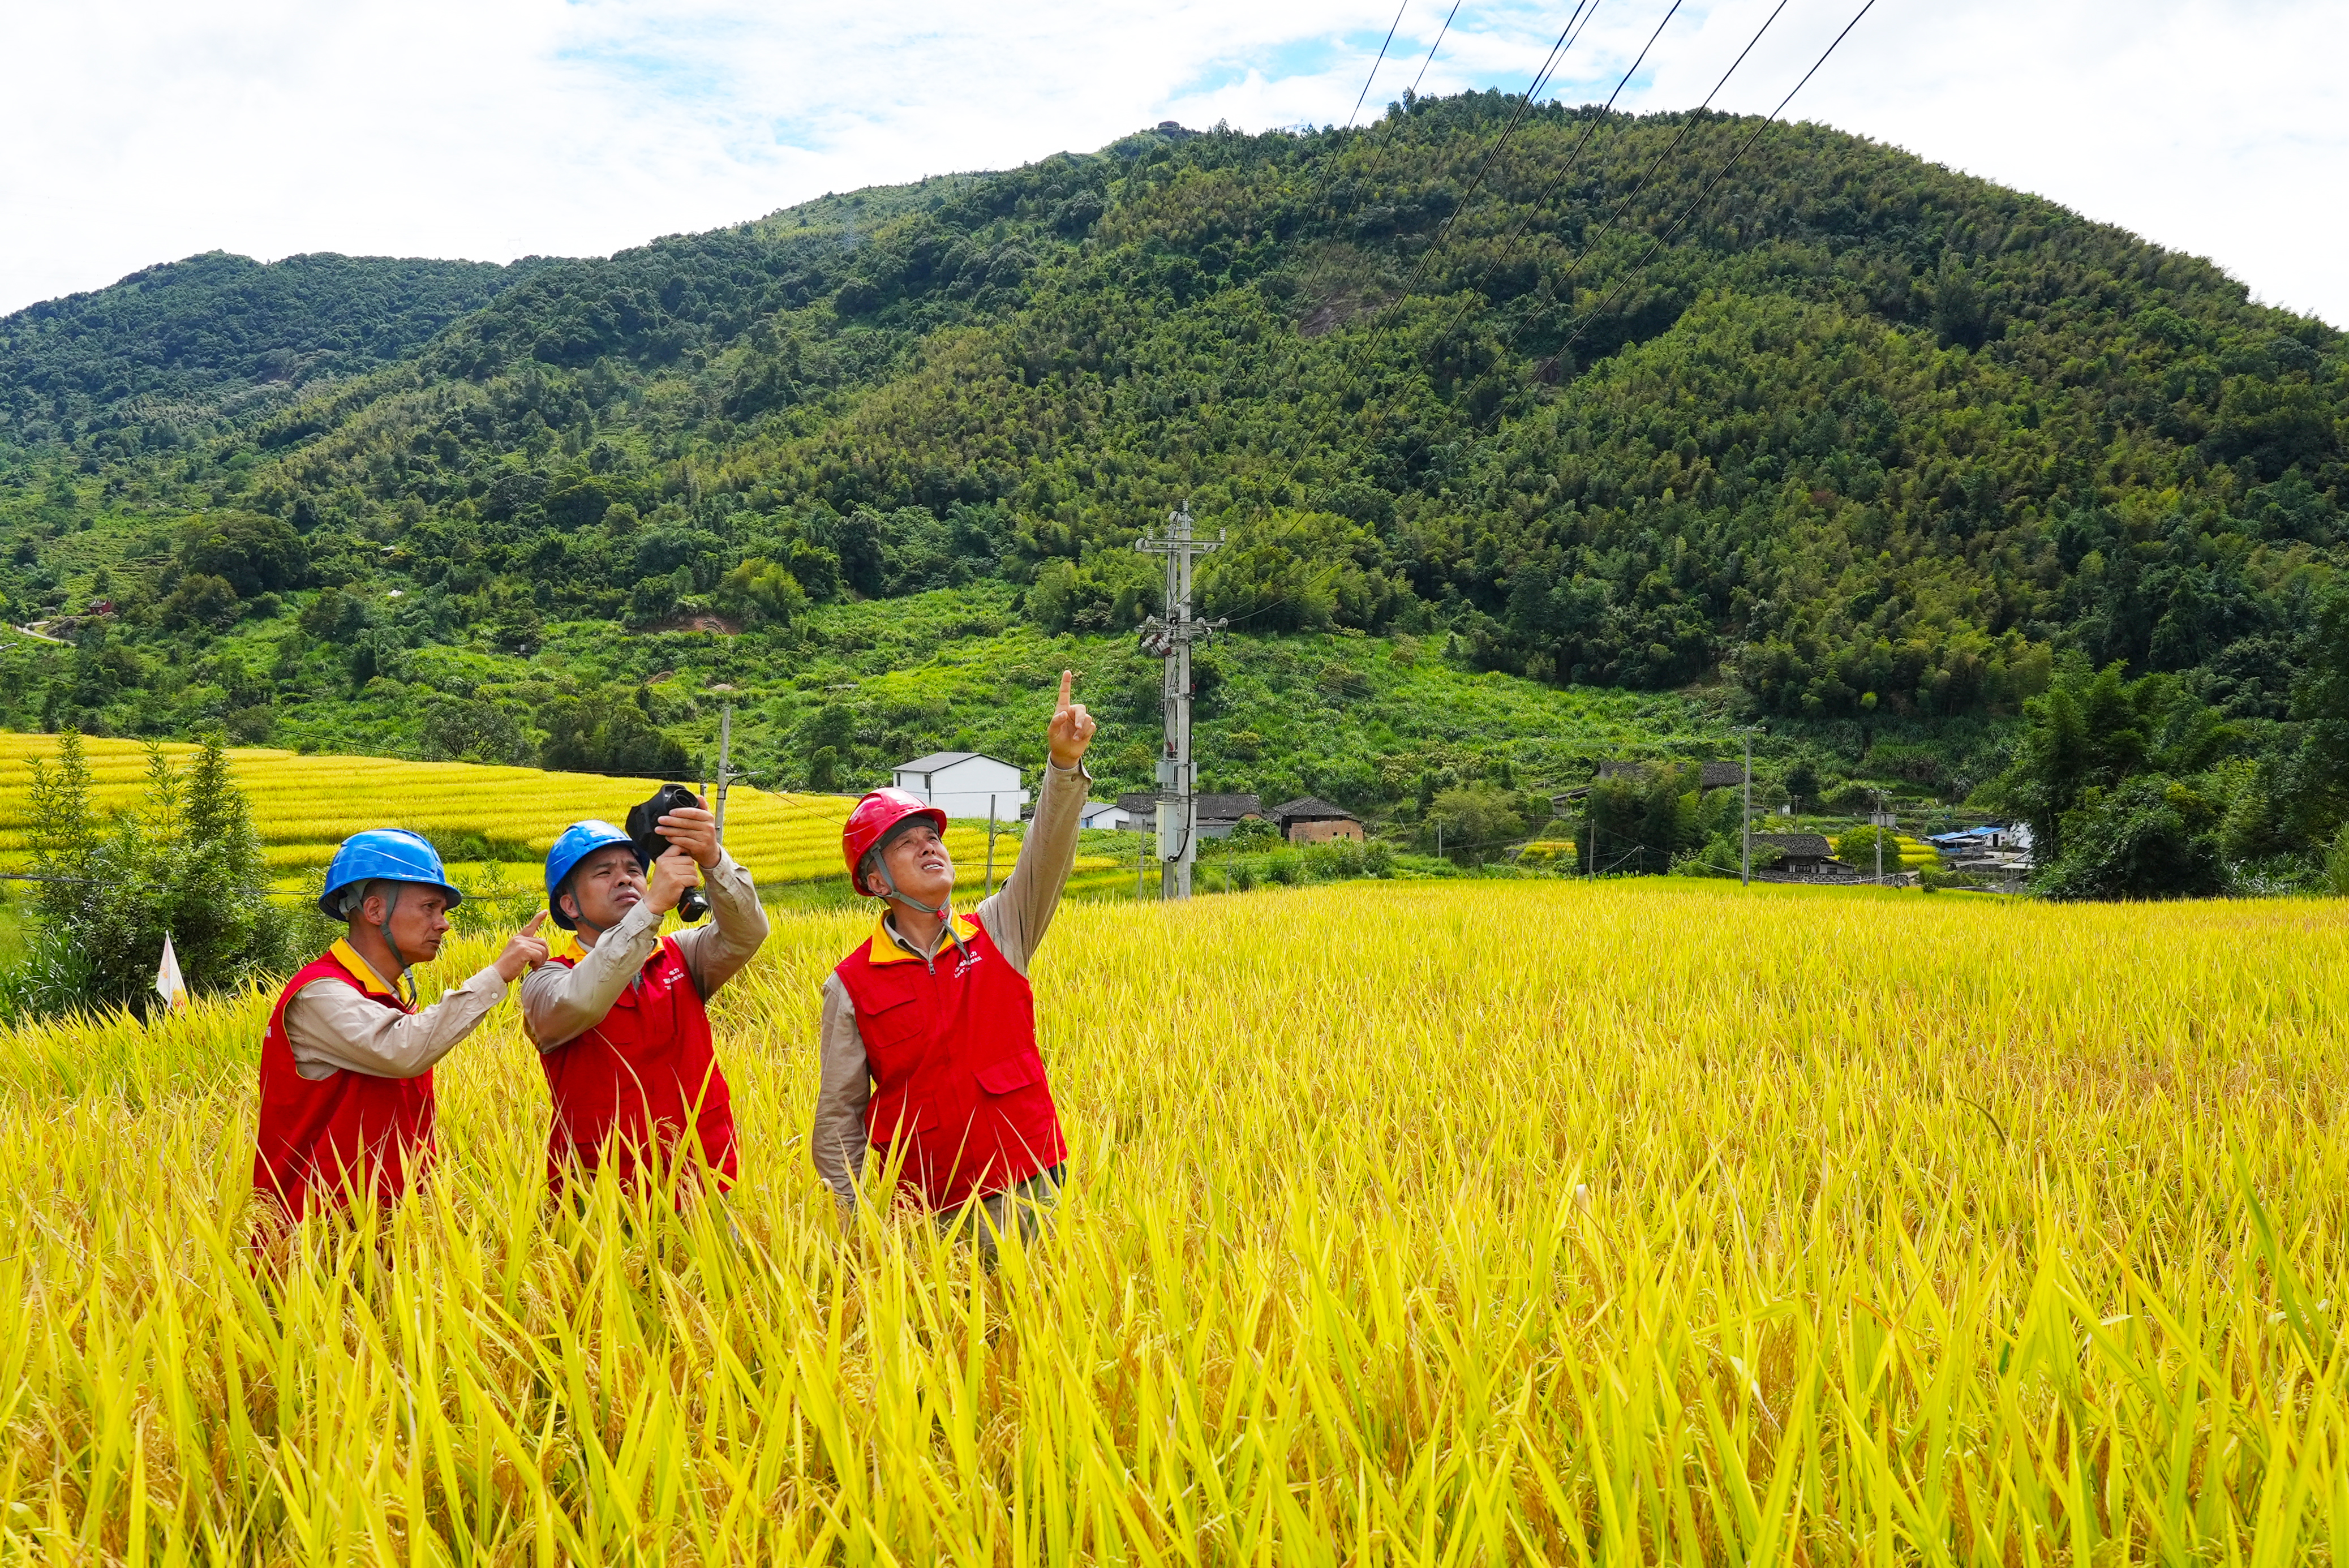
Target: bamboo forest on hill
[{"x": 1878, "y": 454}]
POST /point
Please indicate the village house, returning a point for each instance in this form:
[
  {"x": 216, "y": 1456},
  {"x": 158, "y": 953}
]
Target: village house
[
  {"x": 1802, "y": 854},
  {"x": 964, "y": 784},
  {"x": 1309, "y": 820}
]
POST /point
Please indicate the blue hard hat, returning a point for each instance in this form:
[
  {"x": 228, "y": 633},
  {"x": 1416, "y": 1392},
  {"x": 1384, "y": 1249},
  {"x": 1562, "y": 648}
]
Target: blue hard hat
[
  {"x": 574, "y": 844},
  {"x": 383, "y": 854}
]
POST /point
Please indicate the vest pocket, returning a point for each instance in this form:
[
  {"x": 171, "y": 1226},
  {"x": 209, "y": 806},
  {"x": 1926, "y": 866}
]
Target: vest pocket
[
  {"x": 1011, "y": 1073},
  {"x": 891, "y": 1023}
]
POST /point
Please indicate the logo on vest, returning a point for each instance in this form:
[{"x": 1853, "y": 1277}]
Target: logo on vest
[{"x": 969, "y": 958}]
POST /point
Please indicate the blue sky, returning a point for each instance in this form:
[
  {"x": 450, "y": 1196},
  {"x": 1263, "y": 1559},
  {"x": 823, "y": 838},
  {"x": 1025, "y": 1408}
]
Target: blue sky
[{"x": 493, "y": 129}]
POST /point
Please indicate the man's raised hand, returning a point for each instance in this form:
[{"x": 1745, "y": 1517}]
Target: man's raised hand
[
  {"x": 693, "y": 830},
  {"x": 1072, "y": 726},
  {"x": 526, "y": 950},
  {"x": 673, "y": 873}
]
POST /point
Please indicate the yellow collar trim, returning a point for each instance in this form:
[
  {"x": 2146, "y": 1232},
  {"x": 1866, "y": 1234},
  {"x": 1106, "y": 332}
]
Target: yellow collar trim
[
  {"x": 885, "y": 949},
  {"x": 359, "y": 969},
  {"x": 569, "y": 948}
]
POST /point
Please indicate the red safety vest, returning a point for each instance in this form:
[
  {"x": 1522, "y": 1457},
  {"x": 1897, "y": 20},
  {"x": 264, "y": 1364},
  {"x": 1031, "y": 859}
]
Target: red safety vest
[
  {"x": 346, "y": 1129},
  {"x": 950, "y": 1044},
  {"x": 637, "y": 1080}
]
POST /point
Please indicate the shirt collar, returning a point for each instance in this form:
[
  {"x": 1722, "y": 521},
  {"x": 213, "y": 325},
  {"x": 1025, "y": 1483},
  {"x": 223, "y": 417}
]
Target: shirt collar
[
  {"x": 359, "y": 969},
  {"x": 889, "y": 947}
]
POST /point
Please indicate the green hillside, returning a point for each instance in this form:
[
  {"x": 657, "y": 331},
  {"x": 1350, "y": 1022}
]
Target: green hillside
[{"x": 1869, "y": 450}]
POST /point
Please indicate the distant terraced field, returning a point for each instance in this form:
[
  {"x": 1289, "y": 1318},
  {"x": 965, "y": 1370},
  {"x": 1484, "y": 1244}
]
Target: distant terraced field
[{"x": 491, "y": 823}]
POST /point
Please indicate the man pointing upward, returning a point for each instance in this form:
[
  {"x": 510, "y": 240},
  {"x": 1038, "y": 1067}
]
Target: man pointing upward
[{"x": 930, "y": 1026}]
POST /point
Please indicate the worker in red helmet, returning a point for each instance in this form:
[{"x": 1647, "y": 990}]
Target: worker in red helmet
[{"x": 930, "y": 1026}]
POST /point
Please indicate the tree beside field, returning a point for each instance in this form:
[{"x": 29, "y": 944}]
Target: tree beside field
[
  {"x": 185, "y": 861},
  {"x": 2144, "y": 788}
]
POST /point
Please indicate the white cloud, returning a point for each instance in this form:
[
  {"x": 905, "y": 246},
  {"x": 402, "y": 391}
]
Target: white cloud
[{"x": 137, "y": 132}]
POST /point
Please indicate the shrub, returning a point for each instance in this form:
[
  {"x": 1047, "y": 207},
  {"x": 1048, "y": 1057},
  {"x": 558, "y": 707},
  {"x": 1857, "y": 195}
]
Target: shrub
[
  {"x": 763, "y": 592},
  {"x": 252, "y": 553},
  {"x": 473, "y": 729},
  {"x": 1476, "y": 821},
  {"x": 2148, "y": 838},
  {"x": 1252, "y": 833},
  {"x": 1106, "y": 591},
  {"x": 603, "y": 735},
  {"x": 2337, "y": 865},
  {"x": 1858, "y": 848},
  {"x": 201, "y": 602},
  {"x": 186, "y": 863}
]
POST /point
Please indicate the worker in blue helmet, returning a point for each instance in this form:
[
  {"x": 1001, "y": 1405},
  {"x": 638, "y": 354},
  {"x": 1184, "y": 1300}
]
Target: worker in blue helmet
[
  {"x": 346, "y": 1064},
  {"x": 618, "y": 1014}
]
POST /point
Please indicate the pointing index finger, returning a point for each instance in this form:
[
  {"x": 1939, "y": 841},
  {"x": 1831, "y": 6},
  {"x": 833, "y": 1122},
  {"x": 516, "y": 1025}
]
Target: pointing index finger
[
  {"x": 536, "y": 921},
  {"x": 1068, "y": 678}
]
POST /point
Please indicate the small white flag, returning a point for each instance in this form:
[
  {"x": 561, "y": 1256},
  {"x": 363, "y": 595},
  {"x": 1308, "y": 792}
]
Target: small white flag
[{"x": 168, "y": 982}]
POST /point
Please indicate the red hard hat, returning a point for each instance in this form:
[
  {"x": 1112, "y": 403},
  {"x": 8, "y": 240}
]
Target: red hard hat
[{"x": 874, "y": 819}]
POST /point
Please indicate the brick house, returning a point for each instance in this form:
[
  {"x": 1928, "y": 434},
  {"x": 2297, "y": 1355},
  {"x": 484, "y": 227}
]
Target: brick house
[{"x": 1315, "y": 821}]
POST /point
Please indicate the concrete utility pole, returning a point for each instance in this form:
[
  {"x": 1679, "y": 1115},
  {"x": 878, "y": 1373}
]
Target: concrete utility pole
[
  {"x": 725, "y": 768},
  {"x": 1880, "y": 820},
  {"x": 1169, "y": 637},
  {"x": 1745, "y": 860}
]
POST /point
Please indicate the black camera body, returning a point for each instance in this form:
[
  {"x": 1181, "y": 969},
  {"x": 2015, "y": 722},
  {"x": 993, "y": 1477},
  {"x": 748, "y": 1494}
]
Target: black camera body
[{"x": 646, "y": 838}]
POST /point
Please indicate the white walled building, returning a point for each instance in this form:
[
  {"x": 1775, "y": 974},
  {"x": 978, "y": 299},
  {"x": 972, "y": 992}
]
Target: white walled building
[{"x": 964, "y": 783}]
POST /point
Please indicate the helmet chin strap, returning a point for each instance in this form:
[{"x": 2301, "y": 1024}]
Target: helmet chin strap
[
  {"x": 578, "y": 904},
  {"x": 391, "y": 906},
  {"x": 898, "y": 894}
]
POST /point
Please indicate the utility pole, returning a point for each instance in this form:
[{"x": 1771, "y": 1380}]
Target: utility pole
[
  {"x": 1879, "y": 819},
  {"x": 1168, "y": 638},
  {"x": 1745, "y": 860},
  {"x": 990, "y": 841},
  {"x": 725, "y": 771}
]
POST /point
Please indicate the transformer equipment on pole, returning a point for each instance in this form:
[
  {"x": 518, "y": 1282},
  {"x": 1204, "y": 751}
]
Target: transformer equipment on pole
[{"x": 1168, "y": 638}]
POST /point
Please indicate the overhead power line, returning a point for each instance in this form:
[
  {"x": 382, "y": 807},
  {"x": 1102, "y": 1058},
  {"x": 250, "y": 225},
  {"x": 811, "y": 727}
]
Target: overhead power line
[
  {"x": 1363, "y": 96},
  {"x": 1624, "y": 204},
  {"x": 1583, "y": 322},
  {"x": 1574, "y": 155},
  {"x": 1582, "y": 13},
  {"x": 1576, "y": 23},
  {"x": 1414, "y": 89}
]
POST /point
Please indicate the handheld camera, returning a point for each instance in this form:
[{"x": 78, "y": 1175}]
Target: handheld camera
[{"x": 649, "y": 843}]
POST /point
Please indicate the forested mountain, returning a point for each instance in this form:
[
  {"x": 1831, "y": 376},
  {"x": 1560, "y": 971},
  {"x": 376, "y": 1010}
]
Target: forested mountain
[
  {"x": 177, "y": 352},
  {"x": 1862, "y": 446}
]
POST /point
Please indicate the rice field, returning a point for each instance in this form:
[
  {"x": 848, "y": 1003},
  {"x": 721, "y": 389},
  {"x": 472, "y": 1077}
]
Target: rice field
[
  {"x": 1535, "y": 1222},
  {"x": 303, "y": 806}
]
